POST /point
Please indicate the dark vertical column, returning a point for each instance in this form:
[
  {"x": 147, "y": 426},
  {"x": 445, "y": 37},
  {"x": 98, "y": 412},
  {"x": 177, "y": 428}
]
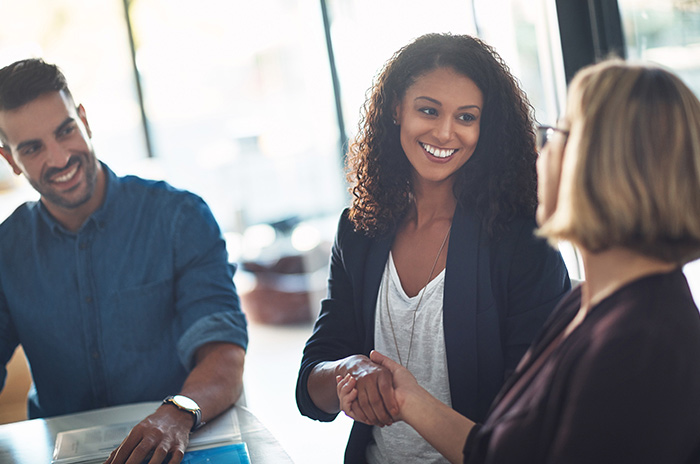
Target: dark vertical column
[
  {"x": 336, "y": 81},
  {"x": 590, "y": 31},
  {"x": 137, "y": 79}
]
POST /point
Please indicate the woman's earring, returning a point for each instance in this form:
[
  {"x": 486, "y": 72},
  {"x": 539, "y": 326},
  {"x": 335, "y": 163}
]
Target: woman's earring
[{"x": 395, "y": 122}]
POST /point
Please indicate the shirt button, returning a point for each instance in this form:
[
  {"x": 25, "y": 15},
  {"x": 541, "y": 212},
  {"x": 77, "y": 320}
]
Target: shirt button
[
  {"x": 88, "y": 299},
  {"x": 95, "y": 355},
  {"x": 83, "y": 246}
]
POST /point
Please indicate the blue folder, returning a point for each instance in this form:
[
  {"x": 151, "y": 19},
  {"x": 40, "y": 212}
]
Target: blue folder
[{"x": 229, "y": 454}]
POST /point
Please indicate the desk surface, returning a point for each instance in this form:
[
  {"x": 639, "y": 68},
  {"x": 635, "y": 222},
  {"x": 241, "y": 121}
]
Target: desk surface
[{"x": 32, "y": 441}]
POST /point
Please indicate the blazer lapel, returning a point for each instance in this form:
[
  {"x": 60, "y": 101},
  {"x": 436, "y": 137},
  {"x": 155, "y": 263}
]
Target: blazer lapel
[
  {"x": 377, "y": 256},
  {"x": 552, "y": 329},
  {"x": 460, "y": 307}
]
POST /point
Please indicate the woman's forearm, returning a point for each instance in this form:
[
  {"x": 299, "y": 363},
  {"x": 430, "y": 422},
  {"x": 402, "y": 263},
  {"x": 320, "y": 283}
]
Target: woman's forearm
[
  {"x": 322, "y": 386},
  {"x": 441, "y": 426}
]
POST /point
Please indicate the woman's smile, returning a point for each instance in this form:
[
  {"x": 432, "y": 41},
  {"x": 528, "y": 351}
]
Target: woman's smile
[{"x": 438, "y": 152}]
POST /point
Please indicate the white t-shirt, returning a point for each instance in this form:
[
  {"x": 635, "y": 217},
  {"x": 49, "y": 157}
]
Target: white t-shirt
[{"x": 399, "y": 443}]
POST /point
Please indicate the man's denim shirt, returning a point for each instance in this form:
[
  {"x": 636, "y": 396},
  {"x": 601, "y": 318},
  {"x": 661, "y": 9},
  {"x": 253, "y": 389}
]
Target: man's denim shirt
[{"x": 114, "y": 313}]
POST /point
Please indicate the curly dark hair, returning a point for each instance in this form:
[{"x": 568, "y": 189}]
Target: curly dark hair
[{"x": 499, "y": 179}]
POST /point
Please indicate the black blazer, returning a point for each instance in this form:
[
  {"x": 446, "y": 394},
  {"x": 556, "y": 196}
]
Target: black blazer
[{"x": 497, "y": 296}]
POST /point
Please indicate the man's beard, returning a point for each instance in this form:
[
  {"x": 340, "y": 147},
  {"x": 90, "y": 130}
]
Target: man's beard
[{"x": 88, "y": 163}]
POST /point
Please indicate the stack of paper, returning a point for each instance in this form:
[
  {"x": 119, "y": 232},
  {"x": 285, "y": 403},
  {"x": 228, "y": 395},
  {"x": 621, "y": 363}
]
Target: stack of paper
[{"x": 94, "y": 444}]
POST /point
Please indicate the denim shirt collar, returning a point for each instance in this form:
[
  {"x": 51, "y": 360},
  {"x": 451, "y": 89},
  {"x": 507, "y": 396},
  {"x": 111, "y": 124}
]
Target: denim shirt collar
[{"x": 98, "y": 219}]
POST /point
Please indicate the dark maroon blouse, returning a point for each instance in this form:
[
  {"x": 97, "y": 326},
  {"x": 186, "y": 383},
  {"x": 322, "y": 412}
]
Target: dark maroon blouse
[{"x": 624, "y": 387}]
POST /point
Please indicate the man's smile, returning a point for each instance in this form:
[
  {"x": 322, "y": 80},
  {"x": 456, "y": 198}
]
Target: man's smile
[{"x": 67, "y": 176}]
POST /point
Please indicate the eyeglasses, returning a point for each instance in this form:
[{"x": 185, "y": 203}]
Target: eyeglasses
[{"x": 545, "y": 133}]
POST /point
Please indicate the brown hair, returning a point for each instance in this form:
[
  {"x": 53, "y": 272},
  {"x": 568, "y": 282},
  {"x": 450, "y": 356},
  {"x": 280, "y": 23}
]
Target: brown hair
[{"x": 23, "y": 81}]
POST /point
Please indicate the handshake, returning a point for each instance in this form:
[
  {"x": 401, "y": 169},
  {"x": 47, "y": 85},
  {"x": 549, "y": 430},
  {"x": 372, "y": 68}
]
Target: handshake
[{"x": 377, "y": 390}]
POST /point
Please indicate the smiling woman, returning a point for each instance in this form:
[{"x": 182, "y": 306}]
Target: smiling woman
[
  {"x": 442, "y": 169},
  {"x": 499, "y": 180}
]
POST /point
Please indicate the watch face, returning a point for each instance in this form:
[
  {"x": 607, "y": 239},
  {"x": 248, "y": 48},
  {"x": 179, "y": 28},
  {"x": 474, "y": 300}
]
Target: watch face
[{"x": 185, "y": 403}]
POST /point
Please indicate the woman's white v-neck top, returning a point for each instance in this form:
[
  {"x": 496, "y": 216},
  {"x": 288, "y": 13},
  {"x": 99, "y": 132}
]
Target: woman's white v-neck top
[{"x": 428, "y": 360}]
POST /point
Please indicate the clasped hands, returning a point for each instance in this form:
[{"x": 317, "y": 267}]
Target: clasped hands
[{"x": 375, "y": 391}]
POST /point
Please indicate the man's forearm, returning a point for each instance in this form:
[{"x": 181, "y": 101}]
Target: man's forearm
[
  {"x": 216, "y": 381},
  {"x": 214, "y": 384}
]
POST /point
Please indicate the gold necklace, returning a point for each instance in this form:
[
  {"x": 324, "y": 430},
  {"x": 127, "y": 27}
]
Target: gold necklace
[{"x": 415, "y": 311}]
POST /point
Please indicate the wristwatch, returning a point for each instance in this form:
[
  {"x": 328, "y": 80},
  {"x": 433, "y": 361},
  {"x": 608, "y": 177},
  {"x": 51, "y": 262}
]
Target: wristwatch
[{"x": 187, "y": 404}]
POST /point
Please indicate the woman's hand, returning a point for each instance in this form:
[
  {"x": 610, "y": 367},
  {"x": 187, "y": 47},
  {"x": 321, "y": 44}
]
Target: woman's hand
[
  {"x": 347, "y": 394},
  {"x": 443, "y": 427},
  {"x": 404, "y": 383}
]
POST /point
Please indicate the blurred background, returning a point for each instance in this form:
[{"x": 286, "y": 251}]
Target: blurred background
[{"x": 251, "y": 104}]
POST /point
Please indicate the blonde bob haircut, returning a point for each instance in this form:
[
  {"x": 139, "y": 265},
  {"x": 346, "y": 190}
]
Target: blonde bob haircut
[{"x": 631, "y": 169}]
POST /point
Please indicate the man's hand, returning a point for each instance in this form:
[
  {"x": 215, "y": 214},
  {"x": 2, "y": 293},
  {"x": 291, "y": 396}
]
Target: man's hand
[
  {"x": 215, "y": 384},
  {"x": 163, "y": 436}
]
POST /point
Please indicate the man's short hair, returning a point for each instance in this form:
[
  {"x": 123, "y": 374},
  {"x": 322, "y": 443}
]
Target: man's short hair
[
  {"x": 631, "y": 167},
  {"x": 23, "y": 81}
]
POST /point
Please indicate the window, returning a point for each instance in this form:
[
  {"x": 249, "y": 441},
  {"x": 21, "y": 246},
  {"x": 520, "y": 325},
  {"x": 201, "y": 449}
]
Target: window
[
  {"x": 665, "y": 32},
  {"x": 366, "y": 33},
  {"x": 88, "y": 40},
  {"x": 525, "y": 34},
  {"x": 240, "y": 105}
]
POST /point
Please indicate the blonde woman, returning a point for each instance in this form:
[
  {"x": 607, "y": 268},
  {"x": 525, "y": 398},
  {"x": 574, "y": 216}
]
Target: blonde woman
[{"x": 615, "y": 375}]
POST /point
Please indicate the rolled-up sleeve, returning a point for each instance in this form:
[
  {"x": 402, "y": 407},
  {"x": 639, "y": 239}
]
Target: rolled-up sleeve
[{"x": 206, "y": 301}]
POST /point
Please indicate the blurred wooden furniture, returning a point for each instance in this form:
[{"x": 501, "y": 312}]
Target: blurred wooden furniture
[{"x": 13, "y": 398}]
